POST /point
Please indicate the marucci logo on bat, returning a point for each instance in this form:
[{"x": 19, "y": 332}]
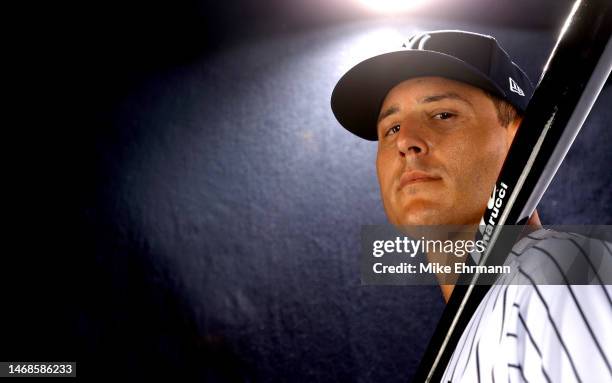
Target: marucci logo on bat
[{"x": 493, "y": 205}]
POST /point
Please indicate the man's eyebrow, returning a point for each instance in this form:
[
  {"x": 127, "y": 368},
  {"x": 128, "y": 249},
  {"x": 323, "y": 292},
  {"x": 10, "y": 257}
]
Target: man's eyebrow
[
  {"x": 387, "y": 112},
  {"x": 442, "y": 96},
  {"x": 437, "y": 97}
]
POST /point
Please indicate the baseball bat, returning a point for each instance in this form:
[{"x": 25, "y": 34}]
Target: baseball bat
[{"x": 573, "y": 77}]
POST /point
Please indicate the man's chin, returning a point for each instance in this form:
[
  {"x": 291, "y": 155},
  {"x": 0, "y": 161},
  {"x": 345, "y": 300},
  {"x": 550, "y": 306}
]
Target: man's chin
[
  {"x": 424, "y": 218},
  {"x": 420, "y": 213},
  {"x": 432, "y": 217},
  {"x": 422, "y": 221}
]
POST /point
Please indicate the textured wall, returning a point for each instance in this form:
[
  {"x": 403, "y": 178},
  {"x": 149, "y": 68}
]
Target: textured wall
[{"x": 219, "y": 218}]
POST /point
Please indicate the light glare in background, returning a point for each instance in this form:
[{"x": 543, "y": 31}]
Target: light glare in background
[
  {"x": 368, "y": 44},
  {"x": 393, "y": 6}
]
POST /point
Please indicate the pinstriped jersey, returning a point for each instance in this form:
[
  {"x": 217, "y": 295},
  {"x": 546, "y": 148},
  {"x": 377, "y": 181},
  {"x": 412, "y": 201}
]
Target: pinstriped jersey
[{"x": 524, "y": 331}]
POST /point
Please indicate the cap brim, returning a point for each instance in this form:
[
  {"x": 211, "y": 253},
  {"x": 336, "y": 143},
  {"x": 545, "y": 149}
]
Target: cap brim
[{"x": 358, "y": 96}]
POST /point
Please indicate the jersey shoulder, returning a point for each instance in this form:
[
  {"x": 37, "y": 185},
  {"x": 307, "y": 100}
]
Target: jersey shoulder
[{"x": 548, "y": 257}]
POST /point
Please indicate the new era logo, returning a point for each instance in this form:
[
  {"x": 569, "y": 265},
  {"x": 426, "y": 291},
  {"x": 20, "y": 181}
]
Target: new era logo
[{"x": 515, "y": 88}]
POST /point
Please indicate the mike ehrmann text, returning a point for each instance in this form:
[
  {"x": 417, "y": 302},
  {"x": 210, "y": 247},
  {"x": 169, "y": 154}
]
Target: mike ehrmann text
[{"x": 437, "y": 268}]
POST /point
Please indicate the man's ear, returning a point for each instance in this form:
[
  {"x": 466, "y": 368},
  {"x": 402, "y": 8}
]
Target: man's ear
[{"x": 511, "y": 130}]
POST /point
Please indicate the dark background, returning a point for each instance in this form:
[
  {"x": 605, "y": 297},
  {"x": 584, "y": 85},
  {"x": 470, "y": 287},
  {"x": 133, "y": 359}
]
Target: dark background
[{"x": 183, "y": 203}]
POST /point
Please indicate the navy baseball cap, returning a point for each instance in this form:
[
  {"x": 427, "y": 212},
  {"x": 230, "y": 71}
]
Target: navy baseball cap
[{"x": 468, "y": 57}]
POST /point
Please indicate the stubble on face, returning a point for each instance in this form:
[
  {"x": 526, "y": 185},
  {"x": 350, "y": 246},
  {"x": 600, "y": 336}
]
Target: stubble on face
[{"x": 447, "y": 131}]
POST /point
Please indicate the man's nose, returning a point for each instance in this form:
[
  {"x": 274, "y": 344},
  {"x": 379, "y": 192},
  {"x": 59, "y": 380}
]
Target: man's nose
[{"x": 411, "y": 141}]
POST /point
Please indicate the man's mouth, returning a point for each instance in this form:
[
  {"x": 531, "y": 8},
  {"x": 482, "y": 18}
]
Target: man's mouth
[{"x": 414, "y": 176}]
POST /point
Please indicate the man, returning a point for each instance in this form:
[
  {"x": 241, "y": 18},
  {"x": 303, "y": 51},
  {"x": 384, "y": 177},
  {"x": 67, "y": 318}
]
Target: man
[{"x": 444, "y": 111}]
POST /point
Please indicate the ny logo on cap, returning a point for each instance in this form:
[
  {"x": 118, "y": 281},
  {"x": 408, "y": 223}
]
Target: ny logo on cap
[
  {"x": 515, "y": 88},
  {"x": 417, "y": 41}
]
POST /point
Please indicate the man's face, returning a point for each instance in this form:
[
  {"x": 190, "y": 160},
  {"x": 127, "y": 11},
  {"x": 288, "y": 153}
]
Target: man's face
[{"x": 440, "y": 149}]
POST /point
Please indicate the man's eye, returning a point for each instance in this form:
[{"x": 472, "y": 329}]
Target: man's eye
[
  {"x": 443, "y": 116},
  {"x": 392, "y": 130}
]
